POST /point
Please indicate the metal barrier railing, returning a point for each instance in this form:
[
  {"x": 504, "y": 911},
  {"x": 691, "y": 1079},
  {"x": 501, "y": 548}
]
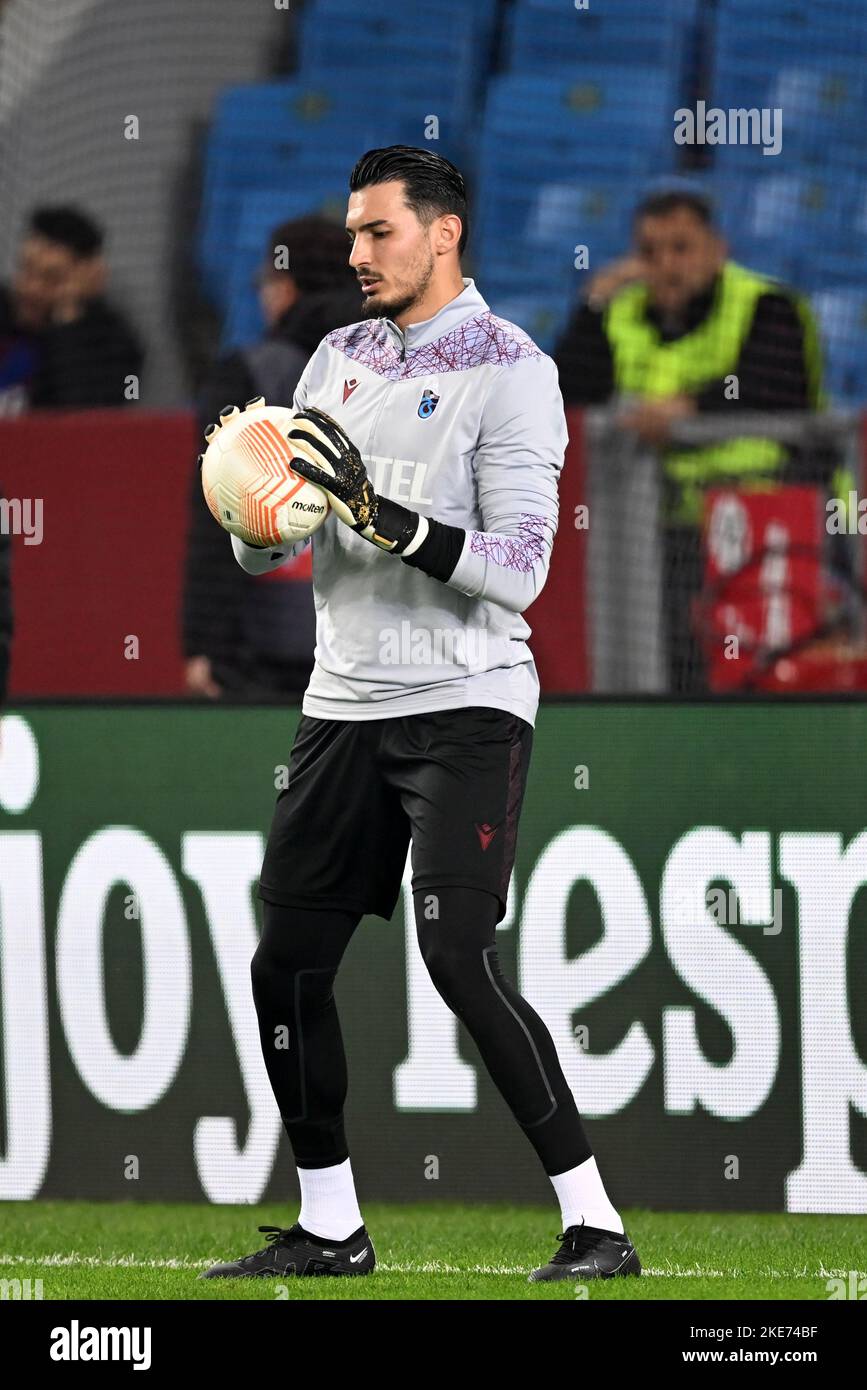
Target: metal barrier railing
[{"x": 629, "y": 604}]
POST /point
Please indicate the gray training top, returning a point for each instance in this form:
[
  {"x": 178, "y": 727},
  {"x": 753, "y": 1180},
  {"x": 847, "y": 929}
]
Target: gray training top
[{"x": 459, "y": 418}]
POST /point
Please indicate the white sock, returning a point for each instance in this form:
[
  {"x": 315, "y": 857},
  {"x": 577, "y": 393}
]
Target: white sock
[
  {"x": 329, "y": 1206},
  {"x": 582, "y": 1196}
]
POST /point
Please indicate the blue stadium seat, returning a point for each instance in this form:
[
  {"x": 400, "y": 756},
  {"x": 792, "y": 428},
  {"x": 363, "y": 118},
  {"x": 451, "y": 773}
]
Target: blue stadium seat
[
  {"x": 219, "y": 227},
  {"x": 807, "y": 230},
  {"x": 784, "y": 224},
  {"x": 562, "y": 114},
  {"x": 260, "y": 212},
  {"x": 829, "y": 266},
  {"x": 557, "y": 219},
  {"x": 788, "y": 31},
  {"x": 243, "y": 322},
  {"x": 806, "y": 59},
  {"x": 827, "y": 102},
  {"x": 290, "y": 135},
  {"x": 770, "y": 257},
  {"x": 789, "y": 205},
  {"x": 399, "y": 42},
  {"x": 543, "y": 34},
  {"x": 557, "y": 129},
  {"x": 823, "y": 110},
  {"x": 542, "y": 314},
  {"x": 583, "y": 210},
  {"x": 279, "y": 135},
  {"x": 842, "y": 316},
  {"x": 484, "y": 13}
]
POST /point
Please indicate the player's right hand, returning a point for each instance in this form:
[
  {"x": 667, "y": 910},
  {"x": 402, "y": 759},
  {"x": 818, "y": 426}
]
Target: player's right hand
[{"x": 228, "y": 413}]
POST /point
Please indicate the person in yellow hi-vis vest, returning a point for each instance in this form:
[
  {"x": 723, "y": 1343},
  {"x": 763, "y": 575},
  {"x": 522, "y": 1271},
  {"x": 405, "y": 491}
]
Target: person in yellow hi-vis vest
[{"x": 678, "y": 329}]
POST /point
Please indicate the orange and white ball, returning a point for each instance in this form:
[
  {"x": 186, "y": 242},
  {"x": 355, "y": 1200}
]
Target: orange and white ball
[{"x": 249, "y": 484}]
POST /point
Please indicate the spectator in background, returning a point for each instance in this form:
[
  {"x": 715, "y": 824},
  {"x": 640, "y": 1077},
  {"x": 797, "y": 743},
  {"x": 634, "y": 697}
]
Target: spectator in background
[
  {"x": 62, "y": 345},
  {"x": 254, "y": 635},
  {"x": 670, "y": 326}
]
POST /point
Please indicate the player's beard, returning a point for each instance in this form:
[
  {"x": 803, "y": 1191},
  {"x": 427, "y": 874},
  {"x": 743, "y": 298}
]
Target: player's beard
[{"x": 409, "y": 295}]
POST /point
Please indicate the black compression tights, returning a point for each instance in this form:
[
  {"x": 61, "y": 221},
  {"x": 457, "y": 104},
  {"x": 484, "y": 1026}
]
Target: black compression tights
[{"x": 293, "y": 971}]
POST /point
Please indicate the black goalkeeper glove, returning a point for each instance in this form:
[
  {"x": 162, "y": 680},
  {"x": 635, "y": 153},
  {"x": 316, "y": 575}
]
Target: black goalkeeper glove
[{"x": 324, "y": 454}]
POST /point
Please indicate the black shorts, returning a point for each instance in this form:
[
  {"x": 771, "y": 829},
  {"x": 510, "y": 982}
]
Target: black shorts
[{"x": 359, "y": 790}]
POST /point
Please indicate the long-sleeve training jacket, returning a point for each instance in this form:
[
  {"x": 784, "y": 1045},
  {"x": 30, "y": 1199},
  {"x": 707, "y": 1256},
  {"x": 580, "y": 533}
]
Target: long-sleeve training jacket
[{"x": 459, "y": 418}]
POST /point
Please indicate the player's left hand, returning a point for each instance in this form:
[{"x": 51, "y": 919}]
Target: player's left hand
[{"x": 325, "y": 455}]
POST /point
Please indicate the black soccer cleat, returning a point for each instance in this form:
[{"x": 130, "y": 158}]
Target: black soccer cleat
[
  {"x": 297, "y": 1252},
  {"x": 589, "y": 1253}
]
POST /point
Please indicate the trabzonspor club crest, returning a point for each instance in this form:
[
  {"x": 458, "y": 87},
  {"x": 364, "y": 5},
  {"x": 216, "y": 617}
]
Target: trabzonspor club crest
[{"x": 427, "y": 405}]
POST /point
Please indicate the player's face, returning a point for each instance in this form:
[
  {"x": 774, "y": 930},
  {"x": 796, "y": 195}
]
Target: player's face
[
  {"x": 391, "y": 252},
  {"x": 681, "y": 255}
]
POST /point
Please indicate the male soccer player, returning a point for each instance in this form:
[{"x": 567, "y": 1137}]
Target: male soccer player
[{"x": 438, "y": 430}]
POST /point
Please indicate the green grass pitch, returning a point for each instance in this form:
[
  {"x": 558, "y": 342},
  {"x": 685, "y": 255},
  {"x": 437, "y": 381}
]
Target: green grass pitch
[{"x": 89, "y": 1250}]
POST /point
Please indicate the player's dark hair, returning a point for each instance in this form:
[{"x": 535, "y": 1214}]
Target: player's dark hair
[
  {"x": 664, "y": 203},
  {"x": 433, "y": 186},
  {"x": 69, "y": 227},
  {"x": 317, "y": 253}
]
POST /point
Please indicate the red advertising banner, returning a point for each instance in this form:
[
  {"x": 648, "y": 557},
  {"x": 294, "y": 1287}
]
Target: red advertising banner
[
  {"x": 97, "y": 590},
  {"x": 559, "y": 617},
  {"x": 763, "y": 576},
  {"x": 97, "y": 596}
]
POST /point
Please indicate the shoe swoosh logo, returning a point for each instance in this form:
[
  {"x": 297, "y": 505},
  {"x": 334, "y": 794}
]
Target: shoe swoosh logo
[{"x": 353, "y": 1259}]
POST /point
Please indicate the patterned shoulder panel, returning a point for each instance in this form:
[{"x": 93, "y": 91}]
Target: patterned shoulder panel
[
  {"x": 476, "y": 342},
  {"x": 355, "y": 339}
]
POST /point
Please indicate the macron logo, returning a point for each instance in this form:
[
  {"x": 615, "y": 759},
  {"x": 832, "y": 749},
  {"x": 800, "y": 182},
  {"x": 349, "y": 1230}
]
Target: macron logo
[
  {"x": 486, "y": 833},
  {"x": 348, "y": 388}
]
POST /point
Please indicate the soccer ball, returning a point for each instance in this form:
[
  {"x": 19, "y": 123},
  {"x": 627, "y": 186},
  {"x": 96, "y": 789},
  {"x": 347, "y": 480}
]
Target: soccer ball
[{"x": 249, "y": 484}]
